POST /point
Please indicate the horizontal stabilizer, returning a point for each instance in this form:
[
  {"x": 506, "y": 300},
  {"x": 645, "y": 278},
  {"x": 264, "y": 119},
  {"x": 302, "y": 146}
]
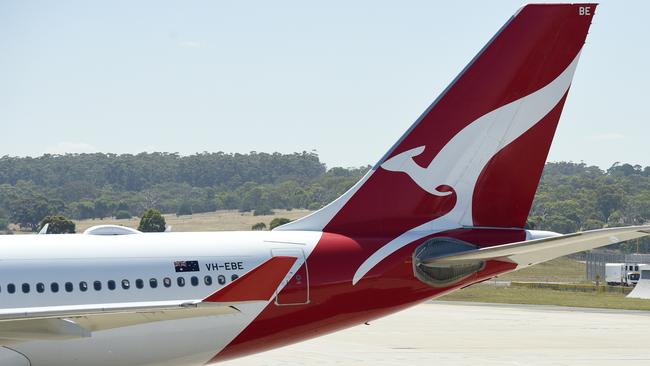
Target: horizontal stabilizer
[
  {"x": 527, "y": 253},
  {"x": 257, "y": 285}
]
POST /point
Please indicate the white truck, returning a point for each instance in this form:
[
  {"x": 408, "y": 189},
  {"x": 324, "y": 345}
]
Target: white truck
[{"x": 622, "y": 274}]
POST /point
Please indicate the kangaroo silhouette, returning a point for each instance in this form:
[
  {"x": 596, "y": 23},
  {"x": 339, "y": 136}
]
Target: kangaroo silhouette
[{"x": 424, "y": 177}]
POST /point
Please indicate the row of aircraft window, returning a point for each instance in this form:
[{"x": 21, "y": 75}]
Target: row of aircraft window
[{"x": 112, "y": 285}]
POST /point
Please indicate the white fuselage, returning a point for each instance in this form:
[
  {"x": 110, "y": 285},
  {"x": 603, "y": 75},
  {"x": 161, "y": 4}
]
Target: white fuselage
[{"x": 43, "y": 270}]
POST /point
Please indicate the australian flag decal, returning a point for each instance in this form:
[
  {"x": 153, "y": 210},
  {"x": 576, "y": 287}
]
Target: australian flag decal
[{"x": 186, "y": 266}]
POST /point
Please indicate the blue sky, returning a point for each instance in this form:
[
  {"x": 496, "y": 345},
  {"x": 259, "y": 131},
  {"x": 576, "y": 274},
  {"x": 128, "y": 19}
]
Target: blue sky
[{"x": 343, "y": 78}]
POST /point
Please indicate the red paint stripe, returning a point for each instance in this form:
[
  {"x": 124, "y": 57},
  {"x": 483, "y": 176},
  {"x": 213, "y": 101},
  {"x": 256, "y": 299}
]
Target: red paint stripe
[{"x": 257, "y": 285}]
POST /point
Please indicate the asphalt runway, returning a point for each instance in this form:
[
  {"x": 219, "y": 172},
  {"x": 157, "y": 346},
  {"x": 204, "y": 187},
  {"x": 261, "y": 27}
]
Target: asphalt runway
[{"x": 450, "y": 333}]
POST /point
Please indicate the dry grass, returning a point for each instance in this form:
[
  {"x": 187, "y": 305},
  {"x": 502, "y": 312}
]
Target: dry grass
[
  {"x": 557, "y": 270},
  {"x": 211, "y": 221},
  {"x": 520, "y": 295}
]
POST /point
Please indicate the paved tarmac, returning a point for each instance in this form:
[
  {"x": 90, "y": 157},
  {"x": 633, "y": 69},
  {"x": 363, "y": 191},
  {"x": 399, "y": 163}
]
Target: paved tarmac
[{"x": 458, "y": 334}]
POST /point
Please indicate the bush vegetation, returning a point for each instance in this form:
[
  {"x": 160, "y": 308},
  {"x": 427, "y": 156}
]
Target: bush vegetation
[{"x": 571, "y": 196}]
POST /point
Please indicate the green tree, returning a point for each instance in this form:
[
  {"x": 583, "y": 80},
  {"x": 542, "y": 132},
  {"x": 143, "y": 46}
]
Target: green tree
[
  {"x": 152, "y": 221},
  {"x": 560, "y": 224},
  {"x": 30, "y": 211},
  {"x": 259, "y": 226},
  {"x": 609, "y": 198},
  {"x": 277, "y": 222},
  {"x": 103, "y": 207},
  {"x": 185, "y": 208},
  {"x": 122, "y": 214},
  {"x": 83, "y": 210},
  {"x": 592, "y": 224},
  {"x": 58, "y": 224}
]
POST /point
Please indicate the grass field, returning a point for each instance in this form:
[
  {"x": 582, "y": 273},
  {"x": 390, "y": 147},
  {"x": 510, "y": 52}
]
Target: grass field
[
  {"x": 558, "y": 270},
  {"x": 561, "y": 270},
  {"x": 519, "y": 295},
  {"x": 211, "y": 221}
]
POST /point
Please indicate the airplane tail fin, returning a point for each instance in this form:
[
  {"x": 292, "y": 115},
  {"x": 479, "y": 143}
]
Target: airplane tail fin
[{"x": 475, "y": 156}]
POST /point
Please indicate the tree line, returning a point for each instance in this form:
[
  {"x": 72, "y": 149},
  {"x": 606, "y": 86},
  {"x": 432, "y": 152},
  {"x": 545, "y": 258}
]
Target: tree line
[
  {"x": 571, "y": 196},
  {"x": 83, "y": 186}
]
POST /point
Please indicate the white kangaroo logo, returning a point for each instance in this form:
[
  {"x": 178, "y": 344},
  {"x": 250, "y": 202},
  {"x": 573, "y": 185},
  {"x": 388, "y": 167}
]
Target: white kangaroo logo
[
  {"x": 422, "y": 176},
  {"x": 461, "y": 161}
]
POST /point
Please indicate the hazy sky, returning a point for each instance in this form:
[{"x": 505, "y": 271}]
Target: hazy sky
[{"x": 344, "y": 78}]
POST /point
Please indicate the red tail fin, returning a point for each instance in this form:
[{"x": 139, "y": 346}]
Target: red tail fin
[{"x": 474, "y": 158}]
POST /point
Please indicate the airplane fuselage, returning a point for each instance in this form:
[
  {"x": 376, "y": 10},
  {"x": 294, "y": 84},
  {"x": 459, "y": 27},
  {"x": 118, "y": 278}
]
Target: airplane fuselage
[{"x": 318, "y": 298}]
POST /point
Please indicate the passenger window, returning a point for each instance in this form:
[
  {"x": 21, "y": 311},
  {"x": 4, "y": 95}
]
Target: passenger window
[
  {"x": 234, "y": 277},
  {"x": 111, "y": 285},
  {"x": 153, "y": 283},
  {"x": 221, "y": 279},
  {"x": 40, "y": 287},
  {"x": 83, "y": 286},
  {"x": 194, "y": 280},
  {"x": 139, "y": 283},
  {"x": 126, "y": 284},
  {"x": 167, "y": 282},
  {"x": 54, "y": 287},
  {"x": 26, "y": 288},
  {"x": 68, "y": 286},
  {"x": 180, "y": 281},
  {"x": 97, "y": 285},
  {"x": 11, "y": 288},
  {"x": 207, "y": 280}
]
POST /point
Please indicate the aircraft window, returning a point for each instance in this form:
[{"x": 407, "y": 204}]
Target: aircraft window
[
  {"x": 126, "y": 284},
  {"x": 139, "y": 283},
  {"x": 180, "y": 281},
  {"x": 68, "y": 286},
  {"x": 97, "y": 285},
  {"x": 636, "y": 268},
  {"x": 54, "y": 287},
  {"x": 11, "y": 288},
  {"x": 221, "y": 279},
  {"x": 83, "y": 286},
  {"x": 26, "y": 288},
  {"x": 40, "y": 287},
  {"x": 234, "y": 277},
  {"x": 207, "y": 280},
  {"x": 153, "y": 283},
  {"x": 194, "y": 280},
  {"x": 167, "y": 282},
  {"x": 111, "y": 285}
]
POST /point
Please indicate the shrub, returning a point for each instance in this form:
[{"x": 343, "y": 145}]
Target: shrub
[
  {"x": 152, "y": 221},
  {"x": 58, "y": 224},
  {"x": 259, "y": 226},
  {"x": 277, "y": 222}
]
